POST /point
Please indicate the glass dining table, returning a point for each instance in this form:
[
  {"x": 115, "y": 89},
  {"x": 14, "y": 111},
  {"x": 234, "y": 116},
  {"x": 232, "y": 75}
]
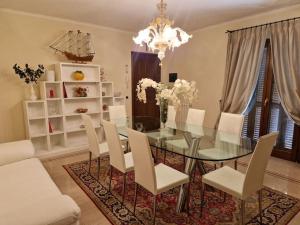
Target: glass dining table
[{"x": 197, "y": 144}]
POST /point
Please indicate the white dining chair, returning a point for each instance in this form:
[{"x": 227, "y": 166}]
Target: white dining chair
[
  {"x": 231, "y": 124},
  {"x": 118, "y": 115},
  {"x": 242, "y": 185},
  {"x": 195, "y": 119},
  {"x": 117, "y": 158},
  {"x": 96, "y": 149},
  {"x": 154, "y": 178}
]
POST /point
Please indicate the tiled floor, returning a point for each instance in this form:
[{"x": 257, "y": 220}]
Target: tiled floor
[{"x": 281, "y": 175}]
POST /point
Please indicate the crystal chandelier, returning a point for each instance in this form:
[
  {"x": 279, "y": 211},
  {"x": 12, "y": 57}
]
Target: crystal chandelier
[{"x": 159, "y": 35}]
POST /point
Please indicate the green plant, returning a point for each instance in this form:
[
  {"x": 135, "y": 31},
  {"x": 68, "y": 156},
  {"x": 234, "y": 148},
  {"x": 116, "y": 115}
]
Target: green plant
[{"x": 29, "y": 75}]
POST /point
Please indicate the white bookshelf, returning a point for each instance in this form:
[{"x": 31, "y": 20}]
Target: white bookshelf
[
  {"x": 108, "y": 98},
  {"x": 55, "y": 110}
]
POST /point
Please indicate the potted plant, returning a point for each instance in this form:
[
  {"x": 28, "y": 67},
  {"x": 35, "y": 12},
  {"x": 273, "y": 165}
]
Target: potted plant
[{"x": 30, "y": 76}]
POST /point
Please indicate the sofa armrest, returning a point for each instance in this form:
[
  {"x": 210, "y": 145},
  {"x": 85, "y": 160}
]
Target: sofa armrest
[
  {"x": 15, "y": 151},
  {"x": 58, "y": 210}
]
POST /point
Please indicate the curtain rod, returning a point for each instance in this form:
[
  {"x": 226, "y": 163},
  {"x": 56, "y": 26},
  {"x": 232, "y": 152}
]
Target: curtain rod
[{"x": 260, "y": 25}]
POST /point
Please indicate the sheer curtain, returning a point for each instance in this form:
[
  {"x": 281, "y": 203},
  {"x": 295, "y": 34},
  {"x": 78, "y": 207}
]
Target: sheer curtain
[
  {"x": 285, "y": 44},
  {"x": 244, "y": 54}
]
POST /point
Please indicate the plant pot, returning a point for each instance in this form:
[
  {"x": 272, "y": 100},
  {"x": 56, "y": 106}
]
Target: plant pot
[{"x": 163, "y": 112}]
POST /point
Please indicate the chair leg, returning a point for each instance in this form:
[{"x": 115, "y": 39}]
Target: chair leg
[
  {"x": 260, "y": 205},
  {"x": 224, "y": 197},
  {"x": 124, "y": 187},
  {"x": 242, "y": 211},
  {"x": 110, "y": 177},
  {"x": 154, "y": 209},
  {"x": 188, "y": 198},
  {"x": 202, "y": 198},
  {"x": 90, "y": 162},
  {"x": 135, "y": 197},
  {"x": 235, "y": 164},
  {"x": 98, "y": 168},
  {"x": 184, "y": 163}
]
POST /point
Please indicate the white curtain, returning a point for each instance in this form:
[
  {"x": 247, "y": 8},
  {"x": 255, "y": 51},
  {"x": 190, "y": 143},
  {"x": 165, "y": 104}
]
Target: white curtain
[
  {"x": 244, "y": 55},
  {"x": 285, "y": 43}
]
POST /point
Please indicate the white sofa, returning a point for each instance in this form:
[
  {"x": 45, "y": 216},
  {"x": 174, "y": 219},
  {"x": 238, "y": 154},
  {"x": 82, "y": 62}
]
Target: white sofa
[{"x": 28, "y": 196}]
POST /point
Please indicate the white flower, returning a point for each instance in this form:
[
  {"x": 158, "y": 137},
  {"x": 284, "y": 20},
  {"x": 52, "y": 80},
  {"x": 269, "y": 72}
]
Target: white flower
[{"x": 182, "y": 91}]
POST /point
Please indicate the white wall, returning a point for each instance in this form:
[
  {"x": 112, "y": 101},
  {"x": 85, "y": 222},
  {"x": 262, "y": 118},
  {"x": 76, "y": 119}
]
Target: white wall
[
  {"x": 203, "y": 58},
  {"x": 25, "y": 38}
]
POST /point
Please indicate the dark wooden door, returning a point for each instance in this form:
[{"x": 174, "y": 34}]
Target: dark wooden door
[{"x": 145, "y": 65}]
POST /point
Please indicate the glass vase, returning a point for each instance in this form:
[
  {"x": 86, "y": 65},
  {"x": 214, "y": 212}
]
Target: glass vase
[{"x": 163, "y": 112}]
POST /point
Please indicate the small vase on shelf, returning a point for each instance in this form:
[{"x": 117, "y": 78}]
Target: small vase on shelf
[
  {"x": 33, "y": 96},
  {"x": 163, "y": 106}
]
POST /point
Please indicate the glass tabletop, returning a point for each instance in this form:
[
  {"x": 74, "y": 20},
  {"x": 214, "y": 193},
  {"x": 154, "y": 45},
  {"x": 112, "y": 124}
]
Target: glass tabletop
[{"x": 212, "y": 145}]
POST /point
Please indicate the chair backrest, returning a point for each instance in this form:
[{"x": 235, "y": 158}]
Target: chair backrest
[
  {"x": 118, "y": 115},
  {"x": 195, "y": 116},
  {"x": 143, "y": 162},
  {"x": 256, "y": 169},
  {"x": 116, "y": 152},
  {"x": 171, "y": 115},
  {"x": 231, "y": 123},
  {"x": 91, "y": 134}
]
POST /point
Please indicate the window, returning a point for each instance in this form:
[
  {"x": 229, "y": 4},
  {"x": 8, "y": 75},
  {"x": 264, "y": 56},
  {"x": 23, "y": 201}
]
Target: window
[{"x": 265, "y": 113}]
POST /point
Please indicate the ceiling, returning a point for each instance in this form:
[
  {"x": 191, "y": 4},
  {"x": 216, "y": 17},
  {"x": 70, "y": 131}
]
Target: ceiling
[{"x": 132, "y": 15}]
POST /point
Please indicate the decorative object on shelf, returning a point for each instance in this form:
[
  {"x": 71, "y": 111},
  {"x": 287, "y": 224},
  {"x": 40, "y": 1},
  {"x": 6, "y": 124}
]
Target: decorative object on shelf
[
  {"x": 105, "y": 107},
  {"x": 78, "y": 75},
  {"x": 50, "y": 75},
  {"x": 81, "y": 126},
  {"x": 81, "y": 110},
  {"x": 80, "y": 92},
  {"x": 181, "y": 95},
  {"x": 51, "y": 93},
  {"x": 30, "y": 76},
  {"x": 75, "y": 45},
  {"x": 64, "y": 91},
  {"x": 103, "y": 93},
  {"x": 102, "y": 75},
  {"x": 50, "y": 127},
  {"x": 159, "y": 35},
  {"x": 117, "y": 93}
]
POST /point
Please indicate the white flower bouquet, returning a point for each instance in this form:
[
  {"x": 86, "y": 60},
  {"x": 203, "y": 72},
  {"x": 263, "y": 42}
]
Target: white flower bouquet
[{"x": 181, "y": 91}]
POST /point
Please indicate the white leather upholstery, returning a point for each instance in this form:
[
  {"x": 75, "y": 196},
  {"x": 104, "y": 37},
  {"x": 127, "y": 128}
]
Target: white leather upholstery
[
  {"x": 118, "y": 115},
  {"x": 118, "y": 160},
  {"x": 94, "y": 146},
  {"x": 195, "y": 117},
  {"x": 155, "y": 179},
  {"x": 15, "y": 151},
  {"x": 231, "y": 123},
  {"x": 243, "y": 185},
  {"x": 29, "y": 196}
]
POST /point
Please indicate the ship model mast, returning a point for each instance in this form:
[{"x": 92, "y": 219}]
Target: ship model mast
[{"x": 75, "y": 45}]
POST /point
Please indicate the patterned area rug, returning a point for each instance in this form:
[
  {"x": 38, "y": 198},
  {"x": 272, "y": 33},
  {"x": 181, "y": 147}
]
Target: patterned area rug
[{"x": 278, "y": 208}]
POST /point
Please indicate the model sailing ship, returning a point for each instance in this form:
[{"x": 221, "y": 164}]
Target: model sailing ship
[{"x": 75, "y": 45}]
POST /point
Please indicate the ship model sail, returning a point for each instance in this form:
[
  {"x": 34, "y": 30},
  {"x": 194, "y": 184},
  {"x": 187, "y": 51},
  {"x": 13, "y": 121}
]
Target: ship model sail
[{"x": 75, "y": 45}]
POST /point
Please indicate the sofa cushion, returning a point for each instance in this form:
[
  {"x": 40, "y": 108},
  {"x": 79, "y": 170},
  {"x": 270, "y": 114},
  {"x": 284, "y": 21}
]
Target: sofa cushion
[
  {"x": 23, "y": 182},
  {"x": 58, "y": 210},
  {"x": 15, "y": 151}
]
